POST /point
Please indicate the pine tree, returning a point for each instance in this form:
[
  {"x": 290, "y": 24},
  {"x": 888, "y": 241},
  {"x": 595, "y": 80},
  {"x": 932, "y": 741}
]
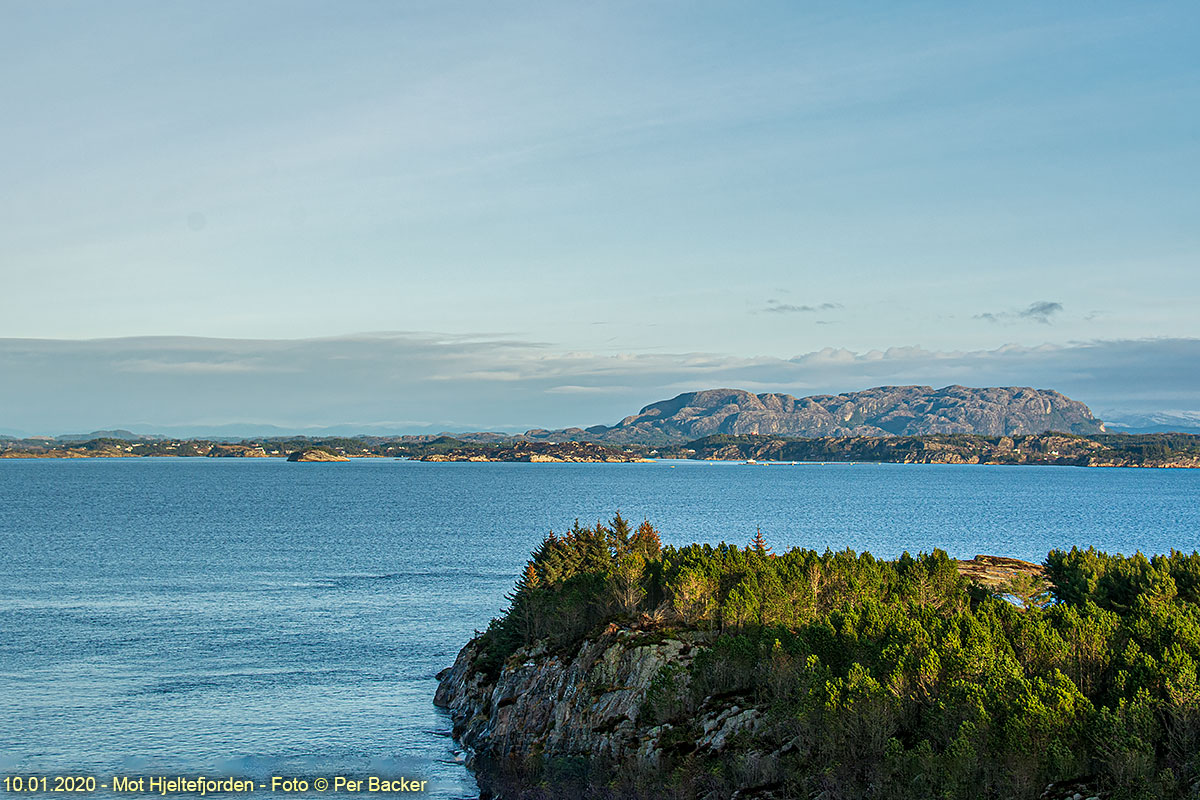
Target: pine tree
[
  {"x": 525, "y": 615},
  {"x": 646, "y": 541},
  {"x": 620, "y": 534},
  {"x": 759, "y": 544},
  {"x": 551, "y": 559},
  {"x": 530, "y": 579},
  {"x": 542, "y": 550}
]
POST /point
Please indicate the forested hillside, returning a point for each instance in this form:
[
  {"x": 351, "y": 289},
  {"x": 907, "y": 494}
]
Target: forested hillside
[{"x": 859, "y": 677}]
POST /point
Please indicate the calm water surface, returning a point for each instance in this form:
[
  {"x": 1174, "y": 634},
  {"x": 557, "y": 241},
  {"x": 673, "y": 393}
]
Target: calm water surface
[{"x": 254, "y": 617}]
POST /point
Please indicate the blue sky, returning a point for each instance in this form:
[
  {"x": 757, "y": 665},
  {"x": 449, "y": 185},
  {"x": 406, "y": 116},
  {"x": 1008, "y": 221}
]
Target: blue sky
[{"x": 601, "y": 181}]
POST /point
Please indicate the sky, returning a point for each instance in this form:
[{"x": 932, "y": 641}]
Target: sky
[{"x": 540, "y": 214}]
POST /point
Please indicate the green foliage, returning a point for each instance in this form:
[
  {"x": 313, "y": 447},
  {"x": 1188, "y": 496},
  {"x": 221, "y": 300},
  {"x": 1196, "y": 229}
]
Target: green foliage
[
  {"x": 1117, "y": 582},
  {"x": 1151, "y": 446},
  {"x": 1032, "y": 591},
  {"x": 891, "y": 679}
]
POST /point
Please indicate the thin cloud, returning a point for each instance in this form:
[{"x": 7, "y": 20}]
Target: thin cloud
[
  {"x": 775, "y": 307},
  {"x": 193, "y": 367},
  {"x": 573, "y": 389},
  {"x": 1041, "y": 312}
]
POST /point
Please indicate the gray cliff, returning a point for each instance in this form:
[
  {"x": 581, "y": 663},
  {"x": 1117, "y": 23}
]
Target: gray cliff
[
  {"x": 558, "y": 705},
  {"x": 588, "y": 705}
]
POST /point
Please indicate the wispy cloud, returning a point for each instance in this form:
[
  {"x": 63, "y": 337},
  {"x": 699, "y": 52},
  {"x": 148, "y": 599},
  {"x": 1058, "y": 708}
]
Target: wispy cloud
[
  {"x": 192, "y": 367},
  {"x": 776, "y": 307},
  {"x": 574, "y": 389},
  {"x": 1041, "y": 311}
]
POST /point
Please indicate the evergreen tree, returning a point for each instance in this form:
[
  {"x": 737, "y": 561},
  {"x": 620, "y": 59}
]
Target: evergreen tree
[
  {"x": 758, "y": 544},
  {"x": 530, "y": 579},
  {"x": 620, "y": 534},
  {"x": 646, "y": 541}
]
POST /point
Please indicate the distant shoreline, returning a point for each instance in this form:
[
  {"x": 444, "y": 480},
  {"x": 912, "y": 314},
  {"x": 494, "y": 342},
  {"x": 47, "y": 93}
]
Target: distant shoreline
[{"x": 1159, "y": 451}]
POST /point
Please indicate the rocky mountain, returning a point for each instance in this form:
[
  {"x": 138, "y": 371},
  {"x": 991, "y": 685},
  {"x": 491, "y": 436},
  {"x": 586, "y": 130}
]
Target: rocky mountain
[
  {"x": 882, "y": 411},
  {"x": 1161, "y": 422}
]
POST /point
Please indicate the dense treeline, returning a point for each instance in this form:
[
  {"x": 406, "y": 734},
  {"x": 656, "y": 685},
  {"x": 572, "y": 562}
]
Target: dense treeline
[
  {"x": 1151, "y": 445},
  {"x": 891, "y": 679}
]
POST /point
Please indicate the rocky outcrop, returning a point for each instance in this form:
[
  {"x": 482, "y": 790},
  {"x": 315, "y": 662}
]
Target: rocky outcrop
[
  {"x": 883, "y": 411},
  {"x": 537, "y": 452},
  {"x": 582, "y": 705},
  {"x": 562, "y": 705},
  {"x": 315, "y": 455},
  {"x": 995, "y": 573},
  {"x": 237, "y": 451}
]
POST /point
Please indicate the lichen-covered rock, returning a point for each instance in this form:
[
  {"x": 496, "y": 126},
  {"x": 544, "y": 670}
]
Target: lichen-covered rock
[
  {"x": 720, "y": 726},
  {"x": 563, "y": 705}
]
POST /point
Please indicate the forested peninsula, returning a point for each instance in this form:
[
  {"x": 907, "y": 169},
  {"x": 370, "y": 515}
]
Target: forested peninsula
[{"x": 622, "y": 668}]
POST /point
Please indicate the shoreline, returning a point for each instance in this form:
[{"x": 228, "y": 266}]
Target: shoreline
[{"x": 75, "y": 456}]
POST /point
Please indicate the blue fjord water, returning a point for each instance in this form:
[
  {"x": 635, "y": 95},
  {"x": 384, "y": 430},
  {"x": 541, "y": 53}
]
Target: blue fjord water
[{"x": 257, "y": 618}]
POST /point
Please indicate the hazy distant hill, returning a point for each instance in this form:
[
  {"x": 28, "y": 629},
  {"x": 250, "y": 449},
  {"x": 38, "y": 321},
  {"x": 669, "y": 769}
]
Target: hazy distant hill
[
  {"x": 883, "y": 411},
  {"x": 1162, "y": 422},
  {"x": 119, "y": 433}
]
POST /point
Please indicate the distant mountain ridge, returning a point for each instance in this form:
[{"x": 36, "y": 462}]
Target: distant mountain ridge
[
  {"x": 1160, "y": 422},
  {"x": 882, "y": 411},
  {"x": 119, "y": 433}
]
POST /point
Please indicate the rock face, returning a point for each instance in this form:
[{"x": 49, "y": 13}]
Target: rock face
[
  {"x": 315, "y": 455},
  {"x": 883, "y": 411},
  {"x": 556, "y": 705}
]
